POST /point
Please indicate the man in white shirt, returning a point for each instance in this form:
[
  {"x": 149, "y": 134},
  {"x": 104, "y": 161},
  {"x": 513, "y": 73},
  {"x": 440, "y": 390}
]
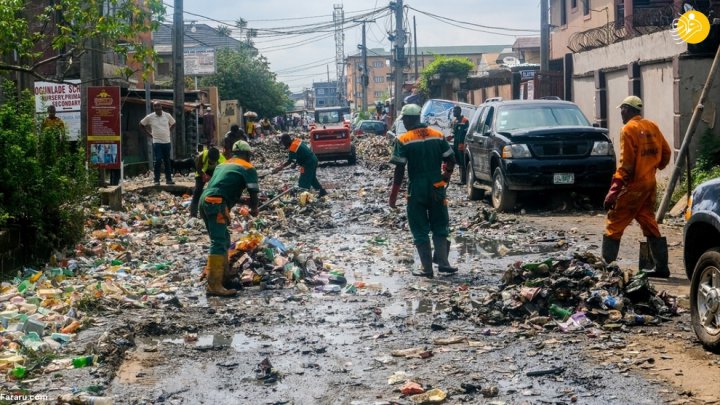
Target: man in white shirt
[{"x": 159, "y": 125}]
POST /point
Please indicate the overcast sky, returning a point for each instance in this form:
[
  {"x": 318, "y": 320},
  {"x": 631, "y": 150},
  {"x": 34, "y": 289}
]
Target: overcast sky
[{"x": 301, "y": 59}]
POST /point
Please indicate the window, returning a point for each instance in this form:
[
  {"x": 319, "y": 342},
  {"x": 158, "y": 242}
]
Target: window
[
  {"x": 378, "y": 94},
  {"x": 563, "y": 12},
  {"x": 586, "y": 7},
  {"x": 377, "y": 64},
  {"x": 163, "y": 68},
  {"x": 378, "y": 79},
  {"x": 321, "y": 102},
  {"x": 520, "y": 117},
  {"x": 321, "y": 91}
]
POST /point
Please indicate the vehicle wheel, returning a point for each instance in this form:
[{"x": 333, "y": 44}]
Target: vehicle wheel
[
  {"x": 353, "y": 157},
  {"x": 502, "y": 198},
  {"x": 473, "y": 194},
  {"x": 705, "y": 299}
]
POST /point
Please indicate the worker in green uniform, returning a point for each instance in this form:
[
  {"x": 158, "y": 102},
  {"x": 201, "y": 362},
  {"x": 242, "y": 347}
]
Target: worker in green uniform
[
  {"x": 424, "y": 150},
  {"x": 303, "y": 156},
  {"x": 205, "y": 165},
  {"x": 460, "y": 126},
  {"x": 223, "y": 192}
]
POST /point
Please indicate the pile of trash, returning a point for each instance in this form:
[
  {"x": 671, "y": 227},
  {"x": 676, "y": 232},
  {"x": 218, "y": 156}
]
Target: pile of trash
[
  {"x": 374, "y": 148},
  {"x": 570, "y": 294}
]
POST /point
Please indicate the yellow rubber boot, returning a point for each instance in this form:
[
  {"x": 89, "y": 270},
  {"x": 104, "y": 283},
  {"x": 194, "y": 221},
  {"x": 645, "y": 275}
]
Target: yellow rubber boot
[{"x": 216, "y": 271}]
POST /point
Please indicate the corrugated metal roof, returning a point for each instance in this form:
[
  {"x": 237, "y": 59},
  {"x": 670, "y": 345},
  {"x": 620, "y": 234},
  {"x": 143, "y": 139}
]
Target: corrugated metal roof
[
  {"x": 526, "y": 42},
  {"x": 204, "y": 36}
]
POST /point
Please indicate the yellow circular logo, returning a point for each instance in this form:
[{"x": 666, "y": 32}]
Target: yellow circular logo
[{"x": 692, "y": 27}]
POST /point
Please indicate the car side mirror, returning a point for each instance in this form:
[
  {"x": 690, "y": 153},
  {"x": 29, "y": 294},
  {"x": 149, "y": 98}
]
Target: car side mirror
[{"x": 391, "y": 134}]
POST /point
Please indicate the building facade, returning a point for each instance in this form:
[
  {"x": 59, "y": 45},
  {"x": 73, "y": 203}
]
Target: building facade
[{"x": 326, "y": 94}]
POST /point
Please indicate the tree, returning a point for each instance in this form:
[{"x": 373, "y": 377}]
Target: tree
[
  {"x": 443, "y": 68},
  {"x": 41, "y": 34},
  {"x": 247, "y": 78}
]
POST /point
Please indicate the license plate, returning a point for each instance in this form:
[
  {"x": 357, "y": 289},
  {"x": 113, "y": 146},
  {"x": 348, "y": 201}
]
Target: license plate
[{"x": 564, "y": 178}]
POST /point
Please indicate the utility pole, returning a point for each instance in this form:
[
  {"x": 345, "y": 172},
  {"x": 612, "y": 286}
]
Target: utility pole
[
  {"x": 179, "y": 79},
  {"x": 364, "y": 78},
  {"x": 415, "y": 41},
  {"x": 400, "y": 40},
  {"x": 544, "y": 37},
  {"x": 91, "y": 74}
]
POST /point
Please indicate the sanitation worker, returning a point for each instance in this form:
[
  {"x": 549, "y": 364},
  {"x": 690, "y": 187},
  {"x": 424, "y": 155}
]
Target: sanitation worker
[
  {"x": 223, "y": 192},
  {"x": 424, "y": 150},
  {"x": 460, "y": 126},
  {"x": 306, "y": 159},
  {"x": 643, "y": 150},
  {"x": 205, "y": 165}
]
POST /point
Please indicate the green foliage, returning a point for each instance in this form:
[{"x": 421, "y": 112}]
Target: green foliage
[
  {"x": 67, "y": 28},
  {"x": 241, "y": 75},
  {"x": 446, "y": 67},
  {"x": 707, "y": 164},
  {"x": 42, "y": 183}
]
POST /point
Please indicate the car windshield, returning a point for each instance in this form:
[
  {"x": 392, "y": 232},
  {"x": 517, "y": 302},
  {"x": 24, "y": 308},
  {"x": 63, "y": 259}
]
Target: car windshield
[
  {"x": 371, "y": 126},
  {"x": 329, "y": 117},
  {"x": 511, "y": 118}
]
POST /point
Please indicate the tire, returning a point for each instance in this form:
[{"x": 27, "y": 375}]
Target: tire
[
  {"x": 473, "y": 194},
  {"x": 353, "y": 156},
  {"x": 502, "y": 199},
  {"x": 705, "y": 300}
]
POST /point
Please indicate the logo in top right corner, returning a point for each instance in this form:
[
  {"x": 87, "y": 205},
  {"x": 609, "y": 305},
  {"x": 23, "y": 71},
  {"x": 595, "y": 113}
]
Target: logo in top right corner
[{"x": 692, "y": 27}]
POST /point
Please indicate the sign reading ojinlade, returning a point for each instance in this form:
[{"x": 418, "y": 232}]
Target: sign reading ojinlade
[{"x": 103, "y": 141}]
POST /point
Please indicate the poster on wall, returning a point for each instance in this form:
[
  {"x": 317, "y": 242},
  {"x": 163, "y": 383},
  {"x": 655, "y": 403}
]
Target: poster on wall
[
  {"x": 65, "y": 97},
  {"x": 103, "y": 123}
]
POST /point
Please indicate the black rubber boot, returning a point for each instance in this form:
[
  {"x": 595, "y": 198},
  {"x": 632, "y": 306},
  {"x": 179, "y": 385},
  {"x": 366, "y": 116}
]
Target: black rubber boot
[
  {"x": 659, "y": 251},
  {"x": 610, "y": 248},
  {"x": 442, "y": 250},
  {"x": 463, "y": 176},
  {"x": 425, "y": 253},
  {"x": 322, "y": 193}
]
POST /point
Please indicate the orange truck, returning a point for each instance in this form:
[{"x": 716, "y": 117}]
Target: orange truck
[{"x": 330, "y": 137}]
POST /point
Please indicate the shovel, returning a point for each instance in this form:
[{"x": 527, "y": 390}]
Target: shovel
[
  {"x": 276, "y": 197},
  {"x": 646, "y": 261}
]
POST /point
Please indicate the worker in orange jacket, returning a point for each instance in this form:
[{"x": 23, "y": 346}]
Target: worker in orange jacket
[{"x": 643, "y": 150}]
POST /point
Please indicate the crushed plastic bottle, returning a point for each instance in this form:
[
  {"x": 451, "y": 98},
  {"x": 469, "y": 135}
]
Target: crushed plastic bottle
[{"x": 84, "y": 361}]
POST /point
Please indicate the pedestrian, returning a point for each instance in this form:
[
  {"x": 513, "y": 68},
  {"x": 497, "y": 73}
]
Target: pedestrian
[
  {"x": 632, "y": 195},
  {"x": 205, "y": 164},
  {"x": 250, "y": 128},
  {"x": 209, "y": 126},
  {"x": 158, "y": 125},
  {"x": 52, "y": 121},
  {"x": 222, "y": 193},
  {"x": 424, "y": 150},
  {"x": 460, "y": 126},
  {"x": 303, "y": 156},
  {"x": 266, "y": 126},
  {"x": 236, "y": 133}
]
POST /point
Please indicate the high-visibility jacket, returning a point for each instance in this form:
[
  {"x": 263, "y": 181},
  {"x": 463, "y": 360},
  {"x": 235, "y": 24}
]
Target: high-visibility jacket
[
  {"x": 643, "y": 150},
  {"x": 205, "y": 162},
  {"x": 459, "y": 130},
  {"x": 230, "y": 179}
]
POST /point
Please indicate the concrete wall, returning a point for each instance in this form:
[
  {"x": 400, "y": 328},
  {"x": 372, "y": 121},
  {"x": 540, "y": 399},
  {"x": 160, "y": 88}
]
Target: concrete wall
[
  {"x": 584, "y": 89},
  {"x": 693, "y": 73},
  {"x": 576, "y": 22},
  {"x": 617, "y": 85},
  {"x": 659, "y": 45},
  {"x": 657, "y": 95}
]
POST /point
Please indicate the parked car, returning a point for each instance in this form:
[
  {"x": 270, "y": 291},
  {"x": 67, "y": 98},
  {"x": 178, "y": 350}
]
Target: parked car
[
  {"x": 533, "y": 145},
  {"x": 330, "y": 135},
  {"x": 373, "y": 127},
  {"x": 437, "y": 113},
  {"x": 702, "y": 262}
]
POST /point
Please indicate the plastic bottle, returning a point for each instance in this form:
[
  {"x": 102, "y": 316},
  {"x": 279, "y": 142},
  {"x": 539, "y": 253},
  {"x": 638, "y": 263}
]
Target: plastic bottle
[
  {"x": 559, "y": 312},
  {"x": 72, "y": 328},
  {"x": 19, "y": 372},
  {"x": 84, "y": 361},
  {"x": 331, "y": 288},
  {"x": 614, "y": 302}
]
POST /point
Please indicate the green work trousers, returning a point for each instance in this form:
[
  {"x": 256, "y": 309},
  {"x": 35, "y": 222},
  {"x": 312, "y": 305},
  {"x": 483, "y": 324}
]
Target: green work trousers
[
  {"x": 308, "y": 176},
  {"x": 216, "y": 217},
  {"x": 427, "y": 210}
]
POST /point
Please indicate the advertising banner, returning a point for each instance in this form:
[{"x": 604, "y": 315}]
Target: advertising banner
[
  {"x": 103, "y": 123},
  {"x": 66, "y": 99}
]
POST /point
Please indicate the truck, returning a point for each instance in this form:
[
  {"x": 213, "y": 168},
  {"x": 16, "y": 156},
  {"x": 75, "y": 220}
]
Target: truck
[{"x": 330, "y": 137}]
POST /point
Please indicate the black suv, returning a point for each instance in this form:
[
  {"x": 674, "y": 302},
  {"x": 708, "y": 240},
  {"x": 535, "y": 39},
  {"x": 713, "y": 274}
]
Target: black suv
[
  {"x": 530, "y": 145},
  {"x": 702, "y": 262}
]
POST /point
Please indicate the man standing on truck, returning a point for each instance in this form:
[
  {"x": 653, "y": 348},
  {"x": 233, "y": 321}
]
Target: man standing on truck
[
  {"x": 303, "y": 156},
  {"x": 643, "y": 150},
  {"x": 424, "y": 150},
  {"x": 460, "y": 126}
]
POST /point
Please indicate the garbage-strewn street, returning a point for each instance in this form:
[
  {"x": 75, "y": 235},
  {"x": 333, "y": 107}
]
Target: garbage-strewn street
[{"x": 331, "y": 315}]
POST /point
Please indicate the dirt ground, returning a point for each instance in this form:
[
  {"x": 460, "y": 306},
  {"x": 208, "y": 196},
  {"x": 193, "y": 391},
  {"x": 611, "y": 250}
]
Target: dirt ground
[{"x": 360, "y": 347}]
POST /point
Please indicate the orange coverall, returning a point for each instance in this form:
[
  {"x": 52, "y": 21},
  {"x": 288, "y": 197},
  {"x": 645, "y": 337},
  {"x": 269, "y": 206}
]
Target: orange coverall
[{"x": 643, "y": 150}]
